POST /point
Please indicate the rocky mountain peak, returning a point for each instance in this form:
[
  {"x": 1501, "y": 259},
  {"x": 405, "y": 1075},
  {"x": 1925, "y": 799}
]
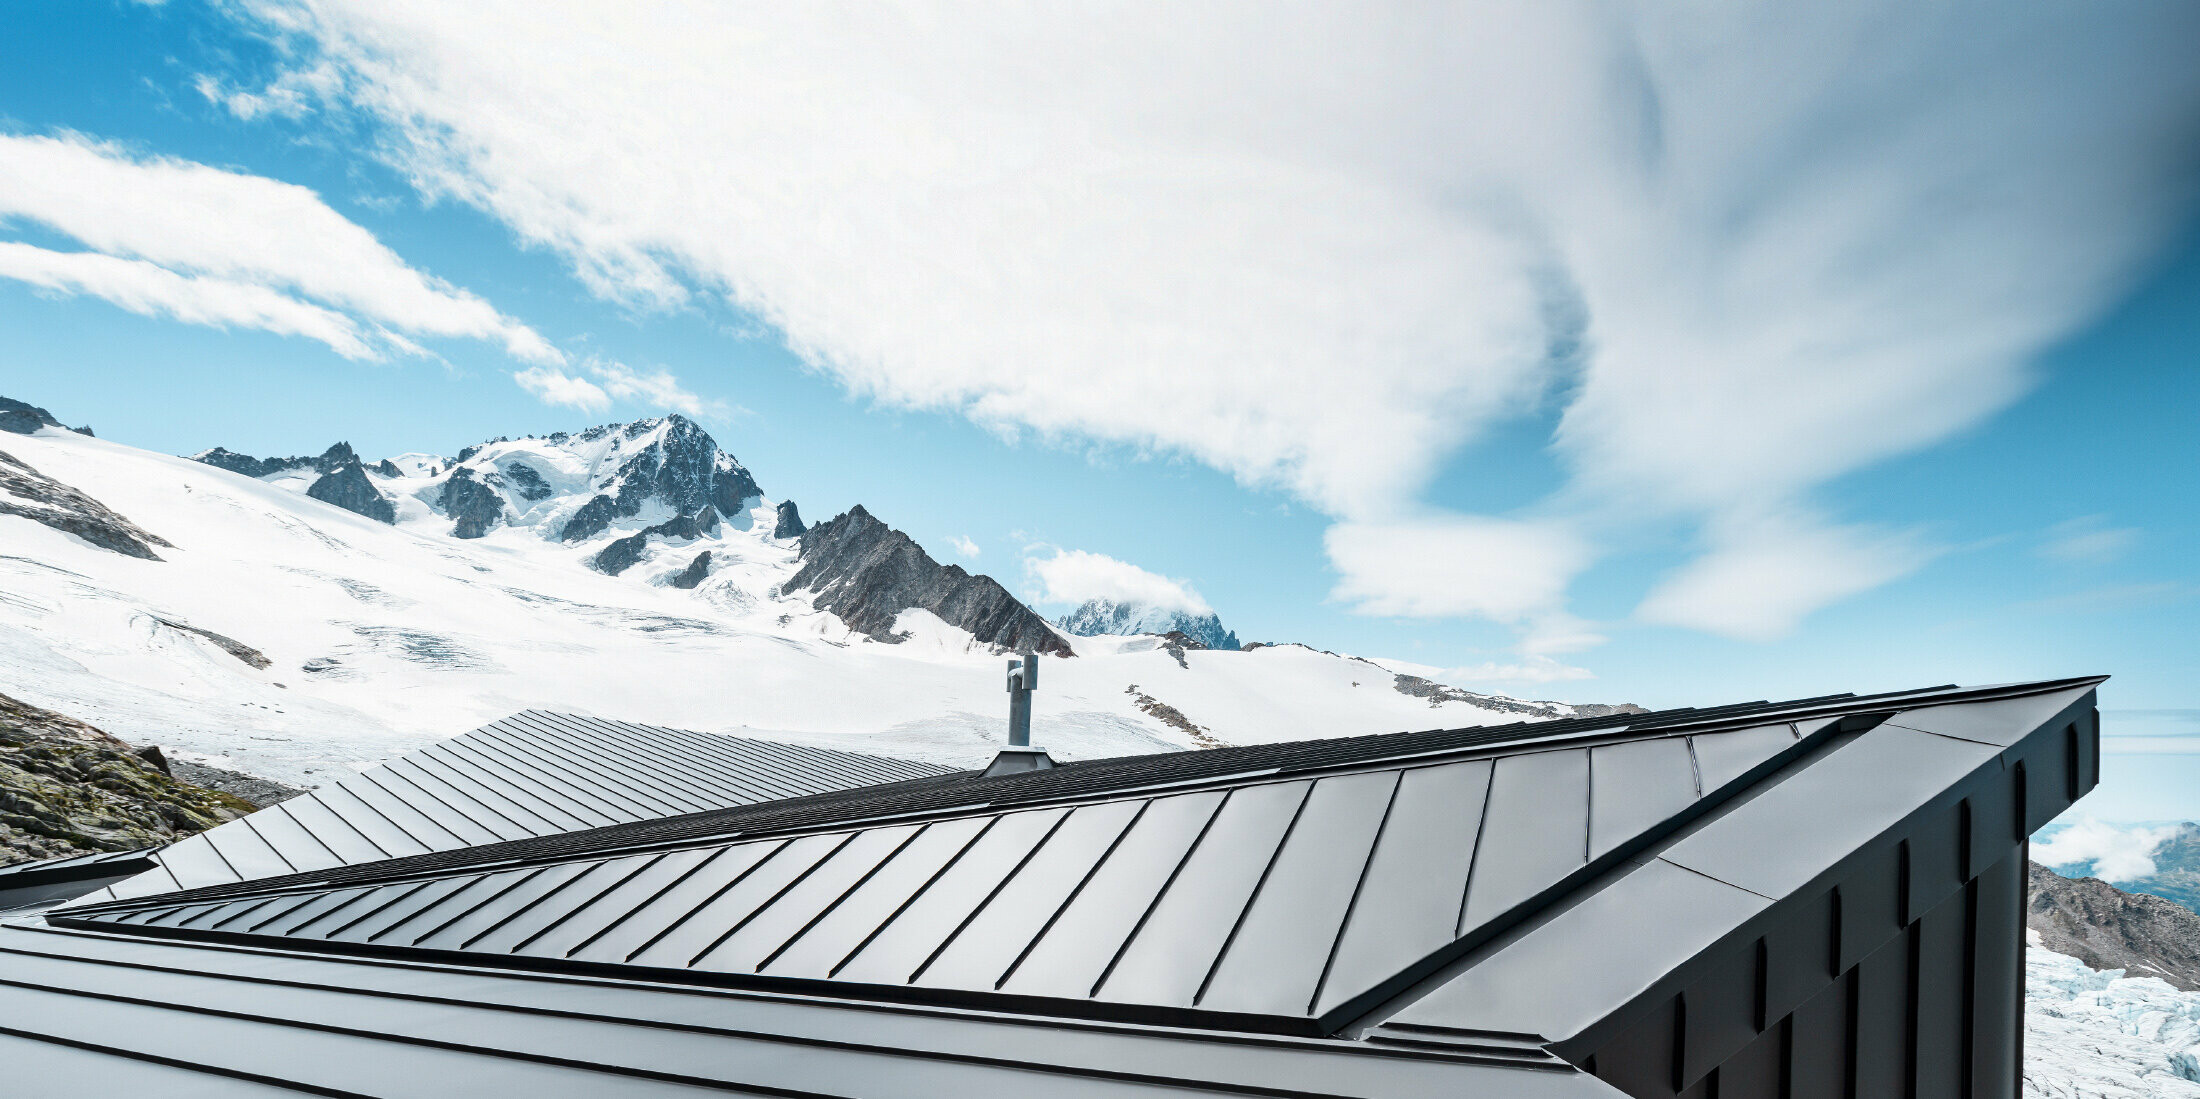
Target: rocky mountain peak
[
  {"x": 789, "y": 521},
  {"x": 867, "y": 573},
  {"x": 1108, "y": 616}
]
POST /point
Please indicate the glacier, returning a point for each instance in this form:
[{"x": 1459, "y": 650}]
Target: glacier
[{"x": 2101, "y": 1035}]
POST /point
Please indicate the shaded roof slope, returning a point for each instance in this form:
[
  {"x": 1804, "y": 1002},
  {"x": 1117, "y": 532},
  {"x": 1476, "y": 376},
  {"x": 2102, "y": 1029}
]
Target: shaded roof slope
[{"x": 530, "y": 775}]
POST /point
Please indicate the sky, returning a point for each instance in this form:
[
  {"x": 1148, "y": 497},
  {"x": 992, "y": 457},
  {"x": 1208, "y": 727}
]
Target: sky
[{"x": 1672, "y": 354}]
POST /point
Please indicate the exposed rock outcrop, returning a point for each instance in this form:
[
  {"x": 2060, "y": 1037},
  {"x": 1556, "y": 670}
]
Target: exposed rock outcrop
[
  {"x": 867, "y": 573},
  {"x": 230, "y": 645},
  {"x": 527, "y": 481},
  {"x": 346, "y": 486},
  {"x": 24, "y": 419},
  {"x": 1437, "y": 694},
  {"x": 473, "y": 505},
  {"x": 67, "y": 788},
  {"x": 789, "y": 524},
  {"x": 327, "y": 462},
  {"x": 695, "y": 573},
  {"x": 1172, "y": 717},
  {"x": 2107, "y": 928},
  {"x": 623, "y": 554},
  {"x": 682, "y": 466},
  {"x": 33, "y": 495},
  {"x": 387, "y": 468}
]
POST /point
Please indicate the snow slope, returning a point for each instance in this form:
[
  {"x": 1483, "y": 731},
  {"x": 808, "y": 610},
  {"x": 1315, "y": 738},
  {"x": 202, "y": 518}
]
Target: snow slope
[
  {"x": 387, "y": 637},
  {"x": 2101, "y": 1035}
]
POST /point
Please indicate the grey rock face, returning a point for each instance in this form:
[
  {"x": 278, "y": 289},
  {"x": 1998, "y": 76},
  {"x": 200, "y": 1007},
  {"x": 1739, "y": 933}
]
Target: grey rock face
[
  {"x": 623, "y": 554},
  {"x": 387, "y": 468},
  {"x": 230, "y": 645},
  {"x": 527, "y": 481},
  {"x": 86, "y": 430},
  {"x": 473, "y": 506},
  {"x": 592, "y": 519},
  {"x": 1106, "y": 616},
  {"x": 23, "y": 419},
  {"x": 327, "y": 462},
  {"x": 242, "y": 464},
  {"x": 33, "y": 495},
  {"x": 2107, "y": 928},
  {"x": 866, "y": 573},
  {"x": 695, "y": 573},
  {"x": 346, "y": 486},
  {"x": 789, "y": 523},
  {"x": 683, "y": 467}
]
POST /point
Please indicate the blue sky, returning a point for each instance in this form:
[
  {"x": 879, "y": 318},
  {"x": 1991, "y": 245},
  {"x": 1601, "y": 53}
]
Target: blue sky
[{"x": 1312, "y": 370}]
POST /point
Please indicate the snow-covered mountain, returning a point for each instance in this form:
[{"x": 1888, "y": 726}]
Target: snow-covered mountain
[
  {"x": 631, "y": 570},
  {"x": 1107, "y": 617}
]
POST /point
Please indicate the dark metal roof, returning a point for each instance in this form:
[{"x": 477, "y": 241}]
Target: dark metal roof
[
  {"x": 85, "y": 1015},
  {"x": 530, "y": 775},
  {"x": 1457, "y": 901}
]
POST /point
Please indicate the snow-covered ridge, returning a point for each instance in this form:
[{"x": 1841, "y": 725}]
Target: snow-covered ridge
[
  {"x": 1105, "y": 617},
  {"x": 382, "y": 637}
]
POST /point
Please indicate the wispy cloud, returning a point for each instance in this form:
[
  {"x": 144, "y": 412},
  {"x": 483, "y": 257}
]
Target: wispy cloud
[
  {"x": 1749, "y": 248},
  {"x": 2107, "y": 851},
  {"x": 2088, "y": 540},
  {"x": 1075, "y": 576},
  {"x": 594, "y": 384},
  {"x": 206, "y": 245},
  {"x": 965, "y": 547}
]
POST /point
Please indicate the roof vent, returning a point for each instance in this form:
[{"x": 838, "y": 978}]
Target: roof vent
[{"x": 1023, "y": 676}]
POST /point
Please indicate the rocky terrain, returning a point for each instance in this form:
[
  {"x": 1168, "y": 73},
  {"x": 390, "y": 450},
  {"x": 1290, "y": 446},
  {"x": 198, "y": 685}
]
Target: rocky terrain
[
  {"x": 2108, "y": 928},
  {"x": 1107, "y": 616},
  {"x": 37, "y": 497},
  {"x": 869, "y": 573},
  {"x": 66, "y": 788}
]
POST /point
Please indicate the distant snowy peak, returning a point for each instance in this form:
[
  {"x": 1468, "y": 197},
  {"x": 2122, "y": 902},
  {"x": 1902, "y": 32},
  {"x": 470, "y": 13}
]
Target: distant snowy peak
[
  {"x": 1109, "y": 617},
  {"x": 568, "y": 486}
]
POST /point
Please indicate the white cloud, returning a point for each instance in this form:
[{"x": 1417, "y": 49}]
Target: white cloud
[
  {"x": 206, "y": 245},
  {"x": 556, "y": 387},
  {"x": 151, "y": 290},
  {"x": 1074, "y": 576},
  {"x": 964, "y": 546},
  {"x": 657, "y": 388},
  {"x": 1750, "y": 248},
  {"x": 1761, "y": 576},
  {"x": 605, "y": 382},
  {"x": 2088, "y": 540},
  {"x": 2111, "y": 853},
  {"x": 1456, "y": 566}
]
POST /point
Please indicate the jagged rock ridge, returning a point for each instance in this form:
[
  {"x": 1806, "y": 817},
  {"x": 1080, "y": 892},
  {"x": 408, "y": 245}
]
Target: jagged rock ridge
[
  {"x": 683, "y": 468},
  {"x": 867, "y": 573},
  {"x": 1108, "y": 616},
  {"x": 42, "y": 499},
  {"x": 346, "y": 486},
  {"x": 788, "y": 521},
  {"x": 2108, "y": 928},
  {"x": 623, "y": 554}
]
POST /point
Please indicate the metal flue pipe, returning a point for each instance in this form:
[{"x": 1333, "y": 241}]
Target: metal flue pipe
[{"x": 1023, "y": 676}]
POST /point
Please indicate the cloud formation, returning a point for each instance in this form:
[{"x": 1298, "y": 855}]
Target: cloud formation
[
  {"x": 1074, "y": 576},
  {"x": 594, "y": 384},
  {"x": 1744, "y": 248},
  {"x": 206, "y": 245},
  {"x": 2104, "y": 850},
  {"x": 964, "y": 546}
]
